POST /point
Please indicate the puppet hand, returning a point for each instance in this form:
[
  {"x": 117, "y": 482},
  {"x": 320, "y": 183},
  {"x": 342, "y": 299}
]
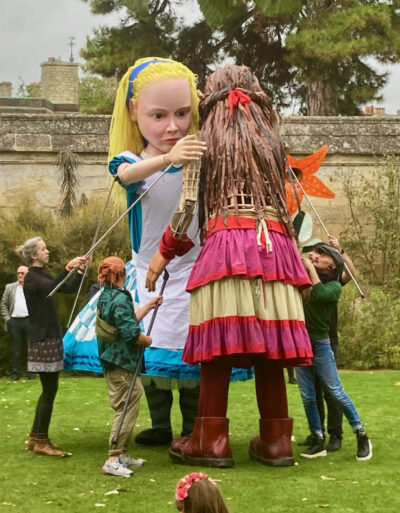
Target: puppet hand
[
  {"x": 144, "y": 340},
  {"x": 156, "y": 267},
  {"x": 186, "y": 150}
]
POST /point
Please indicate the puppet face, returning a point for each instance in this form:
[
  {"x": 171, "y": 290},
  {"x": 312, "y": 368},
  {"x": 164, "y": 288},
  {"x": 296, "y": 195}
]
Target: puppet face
[{"x": 162, "y": 113}]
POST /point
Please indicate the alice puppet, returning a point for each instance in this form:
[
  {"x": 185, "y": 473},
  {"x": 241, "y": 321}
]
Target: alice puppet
[
  {"x": 154, "y": 125},
  {"x": 245, "y": 286}
]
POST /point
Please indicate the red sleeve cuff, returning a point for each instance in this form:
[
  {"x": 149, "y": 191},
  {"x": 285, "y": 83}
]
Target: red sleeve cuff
[{"x": 171, "y": 246}]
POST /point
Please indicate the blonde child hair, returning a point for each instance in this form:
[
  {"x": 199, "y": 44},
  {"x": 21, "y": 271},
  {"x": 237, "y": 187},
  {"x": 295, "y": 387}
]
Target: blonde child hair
[
  {"x": 198, "y": 493},
  {"x": 124, "y": 133}
]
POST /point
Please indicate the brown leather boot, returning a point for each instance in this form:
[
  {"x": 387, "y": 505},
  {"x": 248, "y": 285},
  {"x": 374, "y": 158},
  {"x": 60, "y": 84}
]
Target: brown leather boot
[
  {"x": 208, "y": 445},
  {"x": 32, "y": 440},
  {"x": 273, "y": 447},
  {"x": 44, "y": 446}
]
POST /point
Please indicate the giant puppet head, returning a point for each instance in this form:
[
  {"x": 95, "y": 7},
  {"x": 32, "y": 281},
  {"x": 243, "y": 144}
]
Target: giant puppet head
[
  {"x": 152, "y": 93},
  {"x": 244, "y": 164}
]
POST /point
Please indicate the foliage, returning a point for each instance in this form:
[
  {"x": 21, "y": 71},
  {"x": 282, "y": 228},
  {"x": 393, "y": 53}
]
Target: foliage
[
  {"x": 32, "y": 90},
  {"x": 146, "y": 29},
  {"x": 373, "y": 236},
  {"x": 310, "y": 52},
  {"x": 65, "y": 237},
  {"x": 369, "y": 330},
  {"x": 81, "y": 424},
  {"x": 96, "y": 95}
]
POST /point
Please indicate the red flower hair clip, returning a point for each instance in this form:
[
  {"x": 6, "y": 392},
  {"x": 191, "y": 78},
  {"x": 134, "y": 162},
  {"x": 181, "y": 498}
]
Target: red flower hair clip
[
  {"x": 183, "y": 486},
  {"x": 237, "y": 97}
]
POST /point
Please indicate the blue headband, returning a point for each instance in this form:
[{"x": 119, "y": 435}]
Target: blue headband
[{"x": 134, "y": 73}]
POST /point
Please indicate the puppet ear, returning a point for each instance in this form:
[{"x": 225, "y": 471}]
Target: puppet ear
[{"x": 133, "y": 110}]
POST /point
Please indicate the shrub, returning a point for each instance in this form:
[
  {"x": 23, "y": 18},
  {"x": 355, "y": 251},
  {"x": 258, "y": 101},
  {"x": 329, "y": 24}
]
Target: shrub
[
  {"x": 65, "y": 238},
  {"x": 369, "y": 330}
]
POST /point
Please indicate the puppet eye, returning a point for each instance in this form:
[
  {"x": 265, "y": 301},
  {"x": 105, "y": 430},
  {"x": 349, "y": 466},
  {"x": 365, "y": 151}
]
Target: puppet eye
[{"x": 157, "y": 115}]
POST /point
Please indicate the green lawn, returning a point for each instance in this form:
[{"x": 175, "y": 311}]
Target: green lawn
[{"x": 337, "y": 483}]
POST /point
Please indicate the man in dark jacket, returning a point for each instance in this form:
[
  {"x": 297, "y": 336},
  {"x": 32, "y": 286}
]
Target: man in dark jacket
[{"x": 16, "y": 320}]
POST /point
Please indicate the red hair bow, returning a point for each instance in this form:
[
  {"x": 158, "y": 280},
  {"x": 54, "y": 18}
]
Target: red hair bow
[{"x": 235, "y": 97}]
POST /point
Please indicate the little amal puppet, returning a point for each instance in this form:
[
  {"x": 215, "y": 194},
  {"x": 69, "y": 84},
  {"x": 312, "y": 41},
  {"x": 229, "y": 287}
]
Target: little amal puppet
[{"x": 245, "y": 305}]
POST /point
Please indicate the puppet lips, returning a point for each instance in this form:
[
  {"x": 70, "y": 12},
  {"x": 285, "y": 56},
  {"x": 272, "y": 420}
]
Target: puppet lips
[{"x": 171, "y": 141}]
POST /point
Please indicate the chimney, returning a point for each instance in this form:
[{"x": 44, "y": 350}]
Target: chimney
[
  {"x": 5, "y": 88},
  {"x": 60, "y": 81}
]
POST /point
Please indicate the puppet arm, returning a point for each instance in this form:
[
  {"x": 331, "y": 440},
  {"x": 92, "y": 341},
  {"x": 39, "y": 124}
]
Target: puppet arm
[{"x": 174, "y": 241}]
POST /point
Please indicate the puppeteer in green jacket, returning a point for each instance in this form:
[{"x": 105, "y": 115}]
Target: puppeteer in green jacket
[{"x": 116, "y": 308}]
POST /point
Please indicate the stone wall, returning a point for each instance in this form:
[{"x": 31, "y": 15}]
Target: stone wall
[{"x": 29, "y": 145}]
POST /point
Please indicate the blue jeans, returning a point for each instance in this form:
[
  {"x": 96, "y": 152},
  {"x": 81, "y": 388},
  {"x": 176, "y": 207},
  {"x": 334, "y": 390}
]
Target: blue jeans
[{"x": 324, "y": 367}]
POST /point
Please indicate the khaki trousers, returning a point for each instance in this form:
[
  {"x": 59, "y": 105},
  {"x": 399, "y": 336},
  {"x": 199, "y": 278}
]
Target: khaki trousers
[{"x": 118, "y": 382}]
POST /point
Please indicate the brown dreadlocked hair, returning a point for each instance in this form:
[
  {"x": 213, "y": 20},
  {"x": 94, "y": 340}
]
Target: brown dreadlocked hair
[{"x": 244, "y": 166}]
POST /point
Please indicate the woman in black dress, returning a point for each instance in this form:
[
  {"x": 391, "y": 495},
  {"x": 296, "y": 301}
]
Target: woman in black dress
[{"x": 45, "y": 348}]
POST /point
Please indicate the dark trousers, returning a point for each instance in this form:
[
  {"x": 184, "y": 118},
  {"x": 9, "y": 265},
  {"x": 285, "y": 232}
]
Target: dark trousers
[
  {"x": 18, "y": 328},
  {"x": 160, "y": 404},
  {"x": 44, "y": 408},
  {"x": 335, "y": 410}
]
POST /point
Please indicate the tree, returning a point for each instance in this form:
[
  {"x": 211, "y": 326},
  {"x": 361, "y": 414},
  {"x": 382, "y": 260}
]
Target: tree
[
  {"x": 158, "y": 28},
  {"x": 32, "y": 90},
  {"x": 96, "y": 95},
  {"x": 326, "y": 42},
  {"x": 311, "y": 51},
  {"x": 328, "y": 45},
  {"x": 146, "y": 29}
]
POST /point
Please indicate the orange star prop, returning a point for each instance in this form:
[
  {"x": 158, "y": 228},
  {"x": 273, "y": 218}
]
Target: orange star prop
[{"x": 304, "y": 170}]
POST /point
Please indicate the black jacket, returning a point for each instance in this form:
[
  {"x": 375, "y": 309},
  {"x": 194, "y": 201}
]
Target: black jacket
[{"x": 42, "y": 312}]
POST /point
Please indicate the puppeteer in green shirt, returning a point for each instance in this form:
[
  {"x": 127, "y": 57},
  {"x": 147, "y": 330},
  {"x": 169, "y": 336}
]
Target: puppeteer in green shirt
[
  {"x": 318, "y": 308},
  {"x": 116, "y": 307}
]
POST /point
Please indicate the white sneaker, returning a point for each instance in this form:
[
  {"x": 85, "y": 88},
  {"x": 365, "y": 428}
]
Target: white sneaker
[
  {"x": 116, "y": 468},
  {"x": 132, "y": 462}
]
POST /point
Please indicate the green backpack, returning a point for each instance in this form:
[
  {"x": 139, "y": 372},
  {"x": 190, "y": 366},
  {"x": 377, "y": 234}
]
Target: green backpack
[{"x": 104, "y": 330}]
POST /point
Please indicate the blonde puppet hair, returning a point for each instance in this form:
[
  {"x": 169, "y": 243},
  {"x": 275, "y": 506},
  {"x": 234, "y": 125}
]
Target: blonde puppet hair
[{"x": 124, "y": 133}]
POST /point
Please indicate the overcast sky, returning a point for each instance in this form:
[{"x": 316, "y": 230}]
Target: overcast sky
[{"x": 31, "y": 31}]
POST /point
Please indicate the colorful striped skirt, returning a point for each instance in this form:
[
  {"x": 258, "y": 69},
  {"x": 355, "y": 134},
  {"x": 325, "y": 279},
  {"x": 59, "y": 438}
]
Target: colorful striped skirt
[{"x": 247, "y": 302}]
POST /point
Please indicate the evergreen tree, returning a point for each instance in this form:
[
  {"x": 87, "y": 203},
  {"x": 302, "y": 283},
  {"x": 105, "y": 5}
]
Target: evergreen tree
[
  {"x": 309, "y": 51},
  {"x": 326, "y": 42}
]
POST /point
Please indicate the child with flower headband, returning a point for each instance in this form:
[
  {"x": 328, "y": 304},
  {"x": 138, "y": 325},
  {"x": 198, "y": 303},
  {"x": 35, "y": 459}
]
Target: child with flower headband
[
  {"x": 153, "y": 127},
  {"x": 198, "y": 493}
]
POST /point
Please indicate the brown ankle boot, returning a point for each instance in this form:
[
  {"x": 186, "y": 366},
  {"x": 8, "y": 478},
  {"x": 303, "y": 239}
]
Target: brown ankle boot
[
  {"x": 44, "y": 446},
  {"x": 273, "y": 447},
  {"x": 32, "y": 440},
  {"x": 208, "y": 445}
]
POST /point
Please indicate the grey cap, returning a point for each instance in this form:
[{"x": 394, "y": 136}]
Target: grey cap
[{"x": 335, "y": 254}]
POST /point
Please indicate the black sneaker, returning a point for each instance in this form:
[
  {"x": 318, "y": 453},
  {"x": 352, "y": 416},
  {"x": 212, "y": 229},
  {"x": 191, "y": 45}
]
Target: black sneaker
[
  {"x": 316, "y": 449},
  {"x": 308, "y": 441},
  {"x": 335, "y": 444},
  {"x": 364, "y": 446}
]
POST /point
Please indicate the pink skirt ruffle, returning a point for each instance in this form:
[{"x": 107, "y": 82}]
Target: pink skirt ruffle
[
  {"x": 228, "y": 253},
  {"x": 286, "y": 341}
]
